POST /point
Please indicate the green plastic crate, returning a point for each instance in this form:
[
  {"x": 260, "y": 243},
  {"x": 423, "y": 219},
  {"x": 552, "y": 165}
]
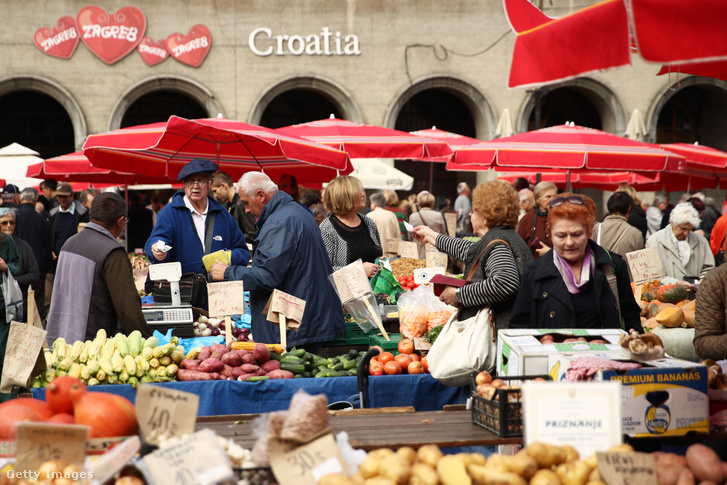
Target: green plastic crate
[
  {"x": 355, "y": 334},
  {"x": 388, "y": 345}
]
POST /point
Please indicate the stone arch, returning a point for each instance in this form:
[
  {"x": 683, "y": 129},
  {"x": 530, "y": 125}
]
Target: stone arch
[
  {"x": 189, "y": 87},
  {"x": 330, "y": 90},
  {"x": 58, "y": 93}
]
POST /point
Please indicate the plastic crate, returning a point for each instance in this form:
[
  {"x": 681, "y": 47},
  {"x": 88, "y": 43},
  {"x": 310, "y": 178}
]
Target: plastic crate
[
  {"x": 355, "y": 335},
  {"x": 503, "y": 414},
  {"x": 388, "y": 345}
]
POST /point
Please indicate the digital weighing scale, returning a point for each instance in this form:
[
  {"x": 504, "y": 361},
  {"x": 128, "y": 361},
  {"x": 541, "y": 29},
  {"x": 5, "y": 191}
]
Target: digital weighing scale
[{"x": 177, "y": 316}]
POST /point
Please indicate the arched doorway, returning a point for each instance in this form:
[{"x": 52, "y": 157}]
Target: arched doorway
[
  {"x": 159, "y": 106},
  {"x": 298, "y": 106}
]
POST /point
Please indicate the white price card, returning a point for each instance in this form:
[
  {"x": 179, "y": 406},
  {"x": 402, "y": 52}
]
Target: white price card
[
  {"x": 40, "y": 442},
  {"x": 627, "y": 468},
  {"x": 164, "y": 412},
  {"x": 305, "y": 464},
  {"x": 434, "y": 258},
  {"x": 226, "y": 298},
  {"x": 283, "y": 304},
  {"x": 409, "y": 249},
  {"x": 645, "y": 265}
]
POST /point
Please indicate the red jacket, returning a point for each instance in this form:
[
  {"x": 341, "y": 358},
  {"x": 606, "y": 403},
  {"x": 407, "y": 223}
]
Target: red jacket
[{"x": 716, "y": 239}]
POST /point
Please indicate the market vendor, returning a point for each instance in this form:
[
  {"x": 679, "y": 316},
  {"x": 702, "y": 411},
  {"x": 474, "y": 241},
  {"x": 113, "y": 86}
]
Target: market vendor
[
  {"x": 194, "y": 224},
  {"x": 288, "y": 255},
  {"x": 682, "y": 253}
]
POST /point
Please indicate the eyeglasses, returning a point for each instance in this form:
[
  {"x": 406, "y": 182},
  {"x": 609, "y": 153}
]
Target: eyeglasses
[
  {"x": 573, "y": 199},
  {"x": 197, "y": 181},
  {"x": 7, "y": 223}
]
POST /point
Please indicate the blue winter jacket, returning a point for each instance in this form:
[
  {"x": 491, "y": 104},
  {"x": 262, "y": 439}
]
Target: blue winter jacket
[
  {"x": 175, "y": 227},
  {"x": 288, "y": 254}
]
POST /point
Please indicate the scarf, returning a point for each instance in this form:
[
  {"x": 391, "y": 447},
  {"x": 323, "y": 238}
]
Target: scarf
[
  {"x": 587, "y": 269},
  {"x": 683, "y": 248}
]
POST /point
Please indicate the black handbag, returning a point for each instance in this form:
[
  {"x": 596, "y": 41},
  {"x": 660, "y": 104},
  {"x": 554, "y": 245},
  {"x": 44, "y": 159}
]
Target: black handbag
[
  {"x": 719, "y": 257},
  {"x": 192, "y": 290}
]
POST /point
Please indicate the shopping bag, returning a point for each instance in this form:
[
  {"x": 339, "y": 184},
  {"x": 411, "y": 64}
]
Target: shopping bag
[
  {"x": 13, "y": 298},
  {"x": 384, "y": 283}
]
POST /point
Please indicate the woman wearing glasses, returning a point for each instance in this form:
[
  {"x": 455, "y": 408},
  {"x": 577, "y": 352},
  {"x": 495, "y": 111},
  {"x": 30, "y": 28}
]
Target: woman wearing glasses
[
  {"x": 9, "y": 261},
  {"x": 569, "y": 287},
  {"x": 533, "y": 227},
  {"x": 27, "y": 266}
]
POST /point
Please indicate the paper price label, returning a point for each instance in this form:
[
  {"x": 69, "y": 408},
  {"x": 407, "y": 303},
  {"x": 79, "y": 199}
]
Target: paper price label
[
  {"x": 281, "y": 303},
  {"x": 435, "y": 259},
  {"x": 391, "y": 245},
  {"x": 627, "y": 468},
  {"x": 409, "y": 249},
  {"x": 451, "y": 220},
  {"x": 226, "y": 298},
  {"x": 40, "y": 442},
  {"x": 645, "y": 265},
  {"x": 21, "y": 354},
  {"x": 296, "y": 464},
  {"x": 165, "y": 412},
  {"x": 351, "y": 282}
]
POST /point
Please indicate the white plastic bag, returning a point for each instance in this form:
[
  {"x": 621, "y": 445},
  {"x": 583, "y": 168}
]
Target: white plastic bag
[{"x": 13, "y": 298}]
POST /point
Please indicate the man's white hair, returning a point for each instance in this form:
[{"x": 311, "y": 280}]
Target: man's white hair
[
  {"x": 683, "y": 213},
  {"x": 461, "y": 187},
  {"x": 525, "y": 194},
  {"x": 253, "y": 182}
]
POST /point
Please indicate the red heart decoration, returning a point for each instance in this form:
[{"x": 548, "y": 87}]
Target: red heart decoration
[
  {"x": 111, "y": 38},
  {"x": 190, "y": 49},
  {"x": 153, "y": 52},
  {"x": 60, "y": 41}
]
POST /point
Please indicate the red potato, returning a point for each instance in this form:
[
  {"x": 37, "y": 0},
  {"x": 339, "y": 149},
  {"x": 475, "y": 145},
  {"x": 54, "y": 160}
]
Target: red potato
[
  {"x": 261, "y": 353},
  {"x": 672, "y": 459},
  {"x": 192, "y": 375},
  {"x": 249, "y": 368},
  {"x": 270, "y": 365},
  {"x": 705, "y": 463},
  {"x": 211, "y": 365},
  {"x": 204, "y": 353},
  {"x": 190, "y": 364},
  {"x": 280, "y": 374},
  {"x": 232, "y": 358}
]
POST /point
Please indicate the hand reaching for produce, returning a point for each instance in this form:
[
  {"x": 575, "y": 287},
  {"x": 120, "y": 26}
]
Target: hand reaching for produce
[
  {"x": 217, "y": 270},
  {"x": 425, "y": 234},
  {"x": 686, "y": 284}
]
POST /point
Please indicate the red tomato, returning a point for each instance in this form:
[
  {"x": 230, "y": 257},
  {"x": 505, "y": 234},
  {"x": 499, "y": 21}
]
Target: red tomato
[
  {"x": 415, "y": 367},
  {"x": 403, "y": 360},
  {"x": 381, "y": 349},
  {"x": 385, "y": 357},
  {"x": 375, "y": 368},
  {"x": 406, "y": 346},
  {"x": 425, "y": 364},
  {"x": 392, "y": 368},
  {"x": 415, "y": 357}
]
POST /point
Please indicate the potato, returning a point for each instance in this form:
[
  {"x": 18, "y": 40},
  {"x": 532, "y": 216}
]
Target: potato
[
  {"x": 429, "y": 454},
  {"x": 545, "y": 477},
  {"x": 466, "y": 458},
  {"x": 336, "y": 479},
  {"x": 358, "y": 479},
  {"x": 672, "y": 459},
  {"x": 592, "y": 461},
  {"x": 498, "y": 462},
  {"x": 622, "y": 448},
  {"x": 668, "y": 475},
  {"x": 595, "y": 476},
  {"x": 369, "y": 467},
  {"x": 704, "y": 463},
  {"x": 381, "y": 452},
  {"x": 492, "y": 476},
  {"x": 686, "y": 477},
  {"x": 396, "y": 468},
  {"x": 423, "y": 474},
  {"x": 524, "y": 465},
  {"x": 573, "y": 473},
  {"x": 478, "y": 458},
  {"x": 546, "y": 455},
  {"x": 452, "y": 471},
  {"x": 408, "y": 453},
  {"x": 379, "y": 481},
  {"x": 571, "y": 453}
]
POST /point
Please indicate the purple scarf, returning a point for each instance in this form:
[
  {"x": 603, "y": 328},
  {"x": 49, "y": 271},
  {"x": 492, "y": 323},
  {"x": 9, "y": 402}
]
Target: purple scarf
[{"x": 587, "y": 269}]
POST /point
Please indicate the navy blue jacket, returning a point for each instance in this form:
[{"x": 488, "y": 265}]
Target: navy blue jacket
[
  {"x": 543, "y": 300},
  {"x": 289, "y": 255},
  {"x": 175, "y": 227}
]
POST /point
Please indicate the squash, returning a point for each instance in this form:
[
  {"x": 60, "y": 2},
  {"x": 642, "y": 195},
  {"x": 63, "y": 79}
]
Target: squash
[
  {"x": 107, "y": 415},
  {"x": 649, "y": 294},
  {"x": 670, "y": 317},
  {"x": 652, "y": 308},
  {"x": 671, "y": 293},
  {"x": 650, "y": 324},
  {"x": 644, "y": 306}
]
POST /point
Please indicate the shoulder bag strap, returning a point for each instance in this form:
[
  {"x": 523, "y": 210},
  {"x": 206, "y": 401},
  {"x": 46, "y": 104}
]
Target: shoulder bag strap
[
  {"x": 477, "y": 261},
  {"x": 535, "y": 222},
  {"x": 209, "y": 232},
  {"x": 613, "y": 283}
]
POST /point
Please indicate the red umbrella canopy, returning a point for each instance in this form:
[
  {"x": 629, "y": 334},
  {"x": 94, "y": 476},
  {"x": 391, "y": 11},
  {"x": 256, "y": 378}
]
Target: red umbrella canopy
[
  {"x": 565, "y": 147},
  {"x": 454, "y": 140},
  {"x": 162, "y": 149},
  {"x": 367, "y": 141}
]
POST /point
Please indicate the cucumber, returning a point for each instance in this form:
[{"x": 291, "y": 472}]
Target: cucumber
[
  {"x": 337, "y": 367},
  {"x": 335, "y": 360},
  {"x": 300, "y": 353},
  {"x": 276, "y": 356},
  {"x": 340, "y": 373},
  {"x": 350, "y": 364},
  {"x": 291, "y": 359},
  {"x": 323, "y": 373},
  {"x": 353, "y": 372},
  {"x": 257, "y": 379},
  {"x": 309, "y": 357},
  {"x": 307, "y": 374},
  {"x": 292, "y": 367},
  {"x": 352, "y": 354}
]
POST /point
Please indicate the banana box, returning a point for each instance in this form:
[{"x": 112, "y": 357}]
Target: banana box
[
  {"x": 527, "y": 352},
  {"x": 666, "y": 397}
]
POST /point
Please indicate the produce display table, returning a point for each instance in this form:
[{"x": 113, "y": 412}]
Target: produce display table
[
  {"x": 421, "y": 391},
  {"x": 369, "y": 429}
]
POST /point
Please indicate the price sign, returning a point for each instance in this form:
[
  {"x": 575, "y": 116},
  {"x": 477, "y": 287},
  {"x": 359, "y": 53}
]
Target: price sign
[
  {"x": 281, "y": 303},
  {"x": 409, "y": 249},
  {"x": 163, "y": 412},
  {"x": 627, "y": 468},
  {"x": 351, "y": 282},
  {"x": 40, "y": 442},
  {"x": 115, "y": 459},
  {"x": 296, "y": 464},
  {"x": 226, "y": 298},
  {"x": 451, "y": 219},
  {"x": 21, "y": 353},
  {"x": 435, "y": 259},
  {"x": 391, "y": 245},
  {"x": 197, "y": 459},
  {"x": 645, "y": 265}
]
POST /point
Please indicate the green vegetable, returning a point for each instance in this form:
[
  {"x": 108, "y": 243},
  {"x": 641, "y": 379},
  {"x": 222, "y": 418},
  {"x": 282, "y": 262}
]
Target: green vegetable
[{"x": 434, "y": 333}]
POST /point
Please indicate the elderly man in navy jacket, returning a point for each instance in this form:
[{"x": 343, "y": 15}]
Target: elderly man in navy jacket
[{"x": 288, "y": 255}]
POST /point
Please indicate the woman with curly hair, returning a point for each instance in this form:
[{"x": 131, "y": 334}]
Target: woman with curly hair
[
  {"x": 498, "y": 266},
  {"x": 572, "y": 286},
  {"x": 533, "y": 227}
]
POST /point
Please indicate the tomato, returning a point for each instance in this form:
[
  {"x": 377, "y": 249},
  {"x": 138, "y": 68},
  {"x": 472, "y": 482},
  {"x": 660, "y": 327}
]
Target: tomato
[
  {"x": 415, "y": 367},
  {"x": 425, "y": 364},
  {"x": 375, "y": 368},
  {"x": 392, "y": 368},
  {"x": 415, "y": 357},
  {"x": 381, "y": 349},
  {"x": 385, "y": 357},
  {"x": 410, "y": 278},
  {"x": 406, "y": 346},
  {"x": 403, "y": 360}
]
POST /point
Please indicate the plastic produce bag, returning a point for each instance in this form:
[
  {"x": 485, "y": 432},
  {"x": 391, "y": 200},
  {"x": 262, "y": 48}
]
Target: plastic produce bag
[
  {"x": 420, "y": 311},
  {"x": 13, "y": 298}
]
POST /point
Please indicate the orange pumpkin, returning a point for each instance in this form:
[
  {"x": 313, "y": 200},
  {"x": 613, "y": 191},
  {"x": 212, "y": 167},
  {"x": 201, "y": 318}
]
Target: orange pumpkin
[{"x": 108, "y": 415}]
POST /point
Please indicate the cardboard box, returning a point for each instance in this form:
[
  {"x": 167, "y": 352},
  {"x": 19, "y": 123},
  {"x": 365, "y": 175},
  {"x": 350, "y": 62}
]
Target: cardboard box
[
  {"x": 666, "y": 397},
  {"x": 519, "y": 351}
]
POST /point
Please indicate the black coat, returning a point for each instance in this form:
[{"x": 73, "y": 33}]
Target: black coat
[
  {"x": 637, "y": 218},
  {"x": 544, "y": 301},
  {"x": 34, "y": 229}
]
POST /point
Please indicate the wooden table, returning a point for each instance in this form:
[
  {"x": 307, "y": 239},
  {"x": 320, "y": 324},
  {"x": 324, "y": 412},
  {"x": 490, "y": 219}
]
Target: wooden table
[{"x": 369, "y": 429}]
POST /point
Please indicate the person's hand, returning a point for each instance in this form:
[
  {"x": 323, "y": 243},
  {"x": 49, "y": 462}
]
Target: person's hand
[
  {"x": 686, "y": 284},
  {"x": 542, "y": 249},
  {"x": 370, "y": 269},
  {"x": 425, "y": 234},
  {"x": 159, "y": 255},
  {"x": 217, "y": 270},
  {"x": 53, "y": 254},
  {"x": 448, "y": 297},
  {"x": 3, "y": 266}
]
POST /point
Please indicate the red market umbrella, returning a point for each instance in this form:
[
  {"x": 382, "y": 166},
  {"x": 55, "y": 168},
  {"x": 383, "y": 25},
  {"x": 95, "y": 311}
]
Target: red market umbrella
[
  {"x": 367, "y": 141},
  {"x": 162, "y": 149},
  {"x": 715, "y": 69},
  {"x": 454, "y": 140}
]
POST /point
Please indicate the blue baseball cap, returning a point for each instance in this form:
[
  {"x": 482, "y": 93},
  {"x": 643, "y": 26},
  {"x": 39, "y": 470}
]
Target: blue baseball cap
[{"x": 198, "y": 165}]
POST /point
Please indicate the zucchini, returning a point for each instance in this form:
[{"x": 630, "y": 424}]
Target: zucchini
[
  {"x": 291, "y": 359},
  {"x": 292, "y": 367},
  {"x": 257, "y": 378}
]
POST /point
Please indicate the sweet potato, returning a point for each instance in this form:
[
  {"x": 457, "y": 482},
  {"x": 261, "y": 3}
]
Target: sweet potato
[
  {"x": 244, "y": 377},
  {"x": 668, "y": 475},
  {"x": 261, "y": 353},
  {"x": 218, "y": 350},
  {"x": 215, "y": 376},
  {"x": 227, "y": 371},
  {"x": 686, "y": 477},
  {"x": 250, "y": 368},
  {"x": 249, "y": 359},
  {"x": 232, "y": 358},
  {"x": 260, "y": 372},
  {"x": 280, "y": 374},
  {"x": 205, "y": 353},
  {"x": 270, "y": 365},
  {"x": 190, "y": 364},
  {"x": 704, "y": 463},
  {"x": 211, "y": 365},
  {"x": 192, "y": 375},
  {"x": 237, "y": 372}
]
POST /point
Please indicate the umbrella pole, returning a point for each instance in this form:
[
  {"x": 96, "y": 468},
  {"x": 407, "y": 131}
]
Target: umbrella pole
[
  {"x": 568, "y": 187},
  {"x": 431, "y": 176},
  {"x": 126, "y": 229}
]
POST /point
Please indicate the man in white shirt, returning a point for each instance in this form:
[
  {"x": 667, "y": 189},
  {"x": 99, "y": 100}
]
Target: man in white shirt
[{"x": 386, "y": 222}]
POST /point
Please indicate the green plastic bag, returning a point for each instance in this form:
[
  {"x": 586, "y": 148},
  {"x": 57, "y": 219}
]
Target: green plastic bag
[{"x": 384, "y": 282}]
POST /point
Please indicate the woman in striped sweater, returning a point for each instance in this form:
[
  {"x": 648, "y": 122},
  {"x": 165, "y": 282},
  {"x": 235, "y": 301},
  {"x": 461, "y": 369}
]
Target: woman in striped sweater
[{"x": 499, "y": 266}]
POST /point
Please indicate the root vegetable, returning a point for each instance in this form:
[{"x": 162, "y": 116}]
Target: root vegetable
[
  {"x": 423, "y": 474},
  {"x": 190, "y": 364},
  {"x": 429, "y": 454},
  {"x": 261, "y": 353},
  {"x": 232, "y": 359},
  {"x": 704, "y": 463},
  {"x": 668, "y": 475},
  {"x": 211, "y": 365},
  {"x": 270, "y": 365},
  {"x": 280, "y": 374},
  {"x": 250, "y": 368},
  {"x": 452, "y": 471},
  {"x": 205, "y": 353},
  {"x": 192, "y": 375},
  {"x": 396, "y": 468},
  {"x": 545, "y": 477}
]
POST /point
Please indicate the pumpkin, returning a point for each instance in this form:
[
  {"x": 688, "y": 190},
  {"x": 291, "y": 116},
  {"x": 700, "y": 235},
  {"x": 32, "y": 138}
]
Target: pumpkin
[
  {"x": 670, "y": 317},
  {"x": 11, "y": 417},
  {"x": 652, "y": 308},
  {"x": 671, "y": 293},
  {"x": 644, "y": 307},
  {"x": 41, "y": 408},
  {"x": 650, "y": 324},
  {"x": 58, "y": 396},
  {"x": 108, "y": 415},
  {"x": 649, "y": 294}
]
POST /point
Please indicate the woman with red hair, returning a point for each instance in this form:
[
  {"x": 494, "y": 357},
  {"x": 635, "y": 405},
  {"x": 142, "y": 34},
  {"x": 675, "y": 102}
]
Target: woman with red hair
[{"x": 569, "y": 287}]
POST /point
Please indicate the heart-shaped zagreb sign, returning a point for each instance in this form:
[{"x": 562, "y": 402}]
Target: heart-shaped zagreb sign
[
  {"x": 60, "y": 41},
  {"x": 190, "y": 49},
  {"x": 153, "y": 52},
  {"x": 111, "y": 38}
]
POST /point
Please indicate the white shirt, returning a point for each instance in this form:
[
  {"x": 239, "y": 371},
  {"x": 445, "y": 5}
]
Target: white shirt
[{"x": 198, "y": 219}]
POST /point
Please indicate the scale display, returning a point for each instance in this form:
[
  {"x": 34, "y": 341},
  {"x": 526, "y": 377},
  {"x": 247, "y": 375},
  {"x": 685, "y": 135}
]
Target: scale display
[{"x": 168, "y": 315}]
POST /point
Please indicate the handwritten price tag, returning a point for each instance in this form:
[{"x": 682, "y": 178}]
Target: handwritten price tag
[
  {"x": 645, "y": 265},
  {"x": 435, "y": 259},
  {"x": 226, "y": 298},
  {"x": 40, "y": 442},
  {"x": 165, "y": 412},
  {"x": 21, "y": 353},
  {"x": 409, "y": 249},
  {"x": 197, "y": 459},
  {"x": 351, "y": 282},
  {"x": 391, "y": 245},
  {"x": 281, "y": 303},
  {"x": 451, "y": 219},
  {"x": 627, "y": 468},
  {"x": 296, "y": 464}
]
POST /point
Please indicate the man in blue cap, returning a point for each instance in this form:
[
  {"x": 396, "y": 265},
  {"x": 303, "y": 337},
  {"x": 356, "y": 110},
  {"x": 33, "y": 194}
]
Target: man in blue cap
[{"x": 194, "y": 224}]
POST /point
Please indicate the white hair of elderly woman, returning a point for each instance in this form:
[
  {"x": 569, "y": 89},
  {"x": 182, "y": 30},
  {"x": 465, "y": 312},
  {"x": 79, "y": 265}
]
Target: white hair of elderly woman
[
  {"x": 683, "y": 213},
  {"x": 252, "y": 182}
]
